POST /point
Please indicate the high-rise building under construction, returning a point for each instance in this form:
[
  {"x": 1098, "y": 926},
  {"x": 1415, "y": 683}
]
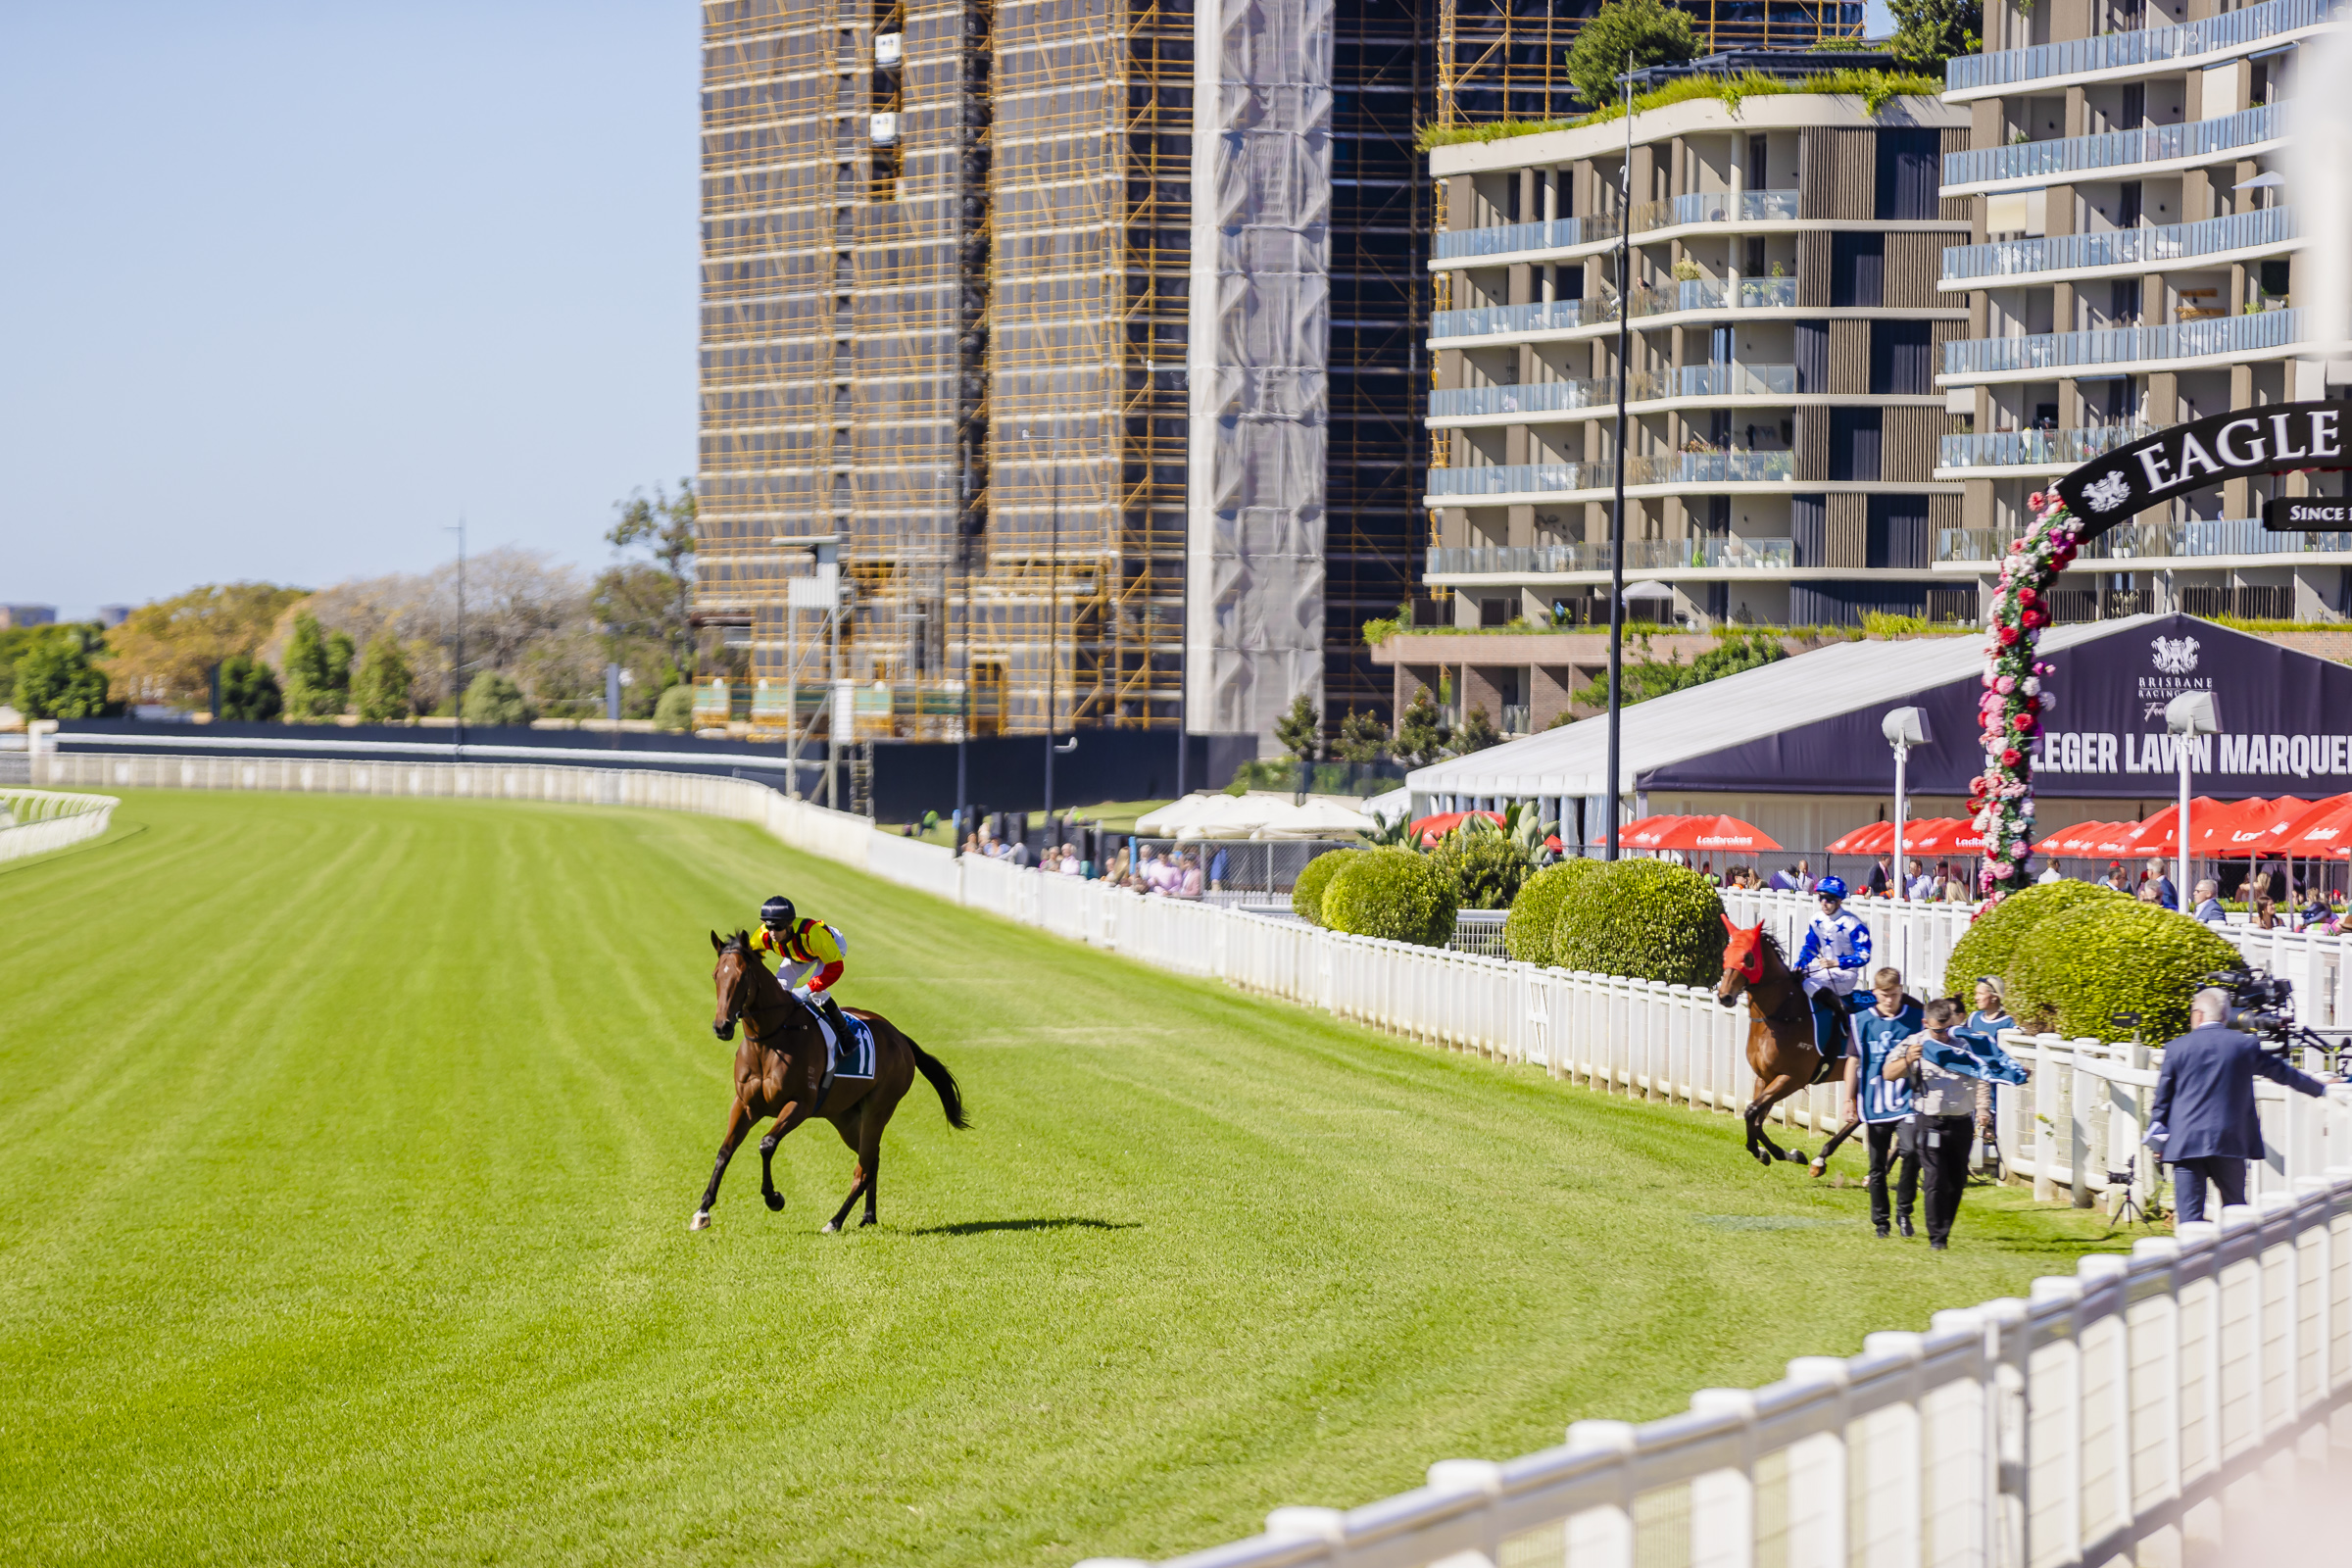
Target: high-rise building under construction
[{"x": 1062, "y": 360}]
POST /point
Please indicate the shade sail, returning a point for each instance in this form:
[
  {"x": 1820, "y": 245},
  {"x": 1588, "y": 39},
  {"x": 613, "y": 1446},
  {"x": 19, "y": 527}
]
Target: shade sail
[{"x": 1714, "y": 833}]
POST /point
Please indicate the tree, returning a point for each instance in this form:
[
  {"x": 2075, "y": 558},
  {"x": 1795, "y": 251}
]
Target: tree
[
  {"x": 249, "y": 693},
  {"x": 1363, "y": 738},
  {"x": 379, "y": 692},
  {"x": 1422, "y": 731},
  {"x": 675, "y": 710},
  {"x": 1478, "y": 732},
  {"x": 1300, "y": 730},
  {"x": 1651, "y": 33},
  {"x": 493, "y": 702},
  {"x": 1930, "y": 32},
  {"x": 165, "y": 652},
  {"x": 56, "y": 680},
  {"x": 653, "y": 603},
  {"x": 1646, "y": 677},
  {"x": 318, "y": 673}
]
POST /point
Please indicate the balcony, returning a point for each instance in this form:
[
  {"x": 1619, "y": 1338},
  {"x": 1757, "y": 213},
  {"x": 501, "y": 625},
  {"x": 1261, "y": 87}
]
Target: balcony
[
  {"x": 1520, "y": 478},
  {"x": 1711, "y": 467},
  {"x": 2031, "y": 449},
  {"x": 1600, "y": 391},
  {"x": 1497, "y": 320},
  {"x": 2155, "y": 541},
  {"x": 1717, "y": 207},
  {"x": 1640, "y": 554},
  {"x": 2146, "y": 46},
  {"x": 2115, "y": 149},
  {"x": 1468, "y": 244},
  {"x": 1753, "y": 294},
  {"x": 2120, "y": 247},
  {"x": 2123, "y": 345}
]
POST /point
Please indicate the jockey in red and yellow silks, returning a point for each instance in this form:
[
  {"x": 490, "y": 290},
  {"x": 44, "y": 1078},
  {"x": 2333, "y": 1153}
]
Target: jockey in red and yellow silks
[{"x": 810, "y": 958}]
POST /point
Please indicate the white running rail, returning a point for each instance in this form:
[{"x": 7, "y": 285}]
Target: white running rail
[
  {"x": 2151, "y": 1406},
  {"x": 36, "y": 821}
]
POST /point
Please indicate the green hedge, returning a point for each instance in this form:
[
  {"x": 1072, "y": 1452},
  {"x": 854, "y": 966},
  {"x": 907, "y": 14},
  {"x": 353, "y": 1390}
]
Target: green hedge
[
  {"x": 2111, "y": 956},
  {"x": 1306, "y": 895},
  {"x": 1393, "y": 894},
  {"x": 1488, "y": 869},
  {"x": 1989, "y": 945},
  {"x": 1527, "y": 931},
  {"x": 1645, "y": 919}
]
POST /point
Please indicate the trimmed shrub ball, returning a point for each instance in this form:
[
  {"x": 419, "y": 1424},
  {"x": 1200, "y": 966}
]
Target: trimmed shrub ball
[
  {"x": 1393, "y": 894},
  {"x": 1306, "y": 895},
  {"x": 1527, "y": 931},
  {"x": 1647, "y": 920},
  {"x": 2108, "y": 955},
  {"x": 1989, "y": 945},
  {"x": 1488, "y": 869}
]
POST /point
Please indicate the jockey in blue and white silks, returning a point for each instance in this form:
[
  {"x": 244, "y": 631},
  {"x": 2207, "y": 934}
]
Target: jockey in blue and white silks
[{"x": 1833, "y": 959}]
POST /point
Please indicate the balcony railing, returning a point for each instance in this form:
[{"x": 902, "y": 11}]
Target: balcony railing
[
  {"x": 1711, "y": 467},
  {"x": 1640, "y": 554},
  {"x": 1717, "y": 207},
  {"x": 1494, "y": 320},
  {"x": 2156, "y": 541},
  {"x": 2121, "y": 247},
  {"x": 2140, "y": 46},
  {"x": 1520, "y": 478},
  {"x": 2001, "y": 449},
  {"x": 1465, "y": 244},
  {"x": 2114, "y": 149},
  {"x": 1754, "y": 294},
  {"x": 1600, "y": 391},
  {"x": 2121, "y": 345}
]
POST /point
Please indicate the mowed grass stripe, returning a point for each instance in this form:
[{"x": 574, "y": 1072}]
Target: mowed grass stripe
[{"x": 348, "y": 1201}]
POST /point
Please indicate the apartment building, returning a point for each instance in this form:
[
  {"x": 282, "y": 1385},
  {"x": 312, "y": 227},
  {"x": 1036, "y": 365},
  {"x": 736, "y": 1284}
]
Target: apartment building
[
  {"x": 2132, "y": 264},
  {"x": 1784, "y": 326}
]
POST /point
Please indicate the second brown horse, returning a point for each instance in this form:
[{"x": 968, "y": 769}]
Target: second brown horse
[
  {"x": 780, "y": 1069},
  {"x": 1781, "y": 1049}
]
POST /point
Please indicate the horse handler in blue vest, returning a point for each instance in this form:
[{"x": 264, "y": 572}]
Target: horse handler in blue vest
[{"x": 1884, "y": 1102}]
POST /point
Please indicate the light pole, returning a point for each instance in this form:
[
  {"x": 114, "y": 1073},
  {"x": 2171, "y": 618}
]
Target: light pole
[
  {"x": 1624, "y": 318},
  {"x": 2190, "y": 714},
  {"x": 1904, "y": 728},
  {"x": 456, "y": 670}
]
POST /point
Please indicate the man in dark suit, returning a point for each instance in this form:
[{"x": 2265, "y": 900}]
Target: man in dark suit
[{"x": 2205, "y": 1099}]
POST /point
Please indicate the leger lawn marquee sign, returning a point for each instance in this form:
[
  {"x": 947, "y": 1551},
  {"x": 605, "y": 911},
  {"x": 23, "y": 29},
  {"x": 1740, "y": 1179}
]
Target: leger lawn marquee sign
[{"x": 2173, "y": 462}]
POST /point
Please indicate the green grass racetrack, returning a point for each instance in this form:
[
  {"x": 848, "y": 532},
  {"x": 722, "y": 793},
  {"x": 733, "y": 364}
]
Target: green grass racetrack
[{"x": 349, "y": 1144}]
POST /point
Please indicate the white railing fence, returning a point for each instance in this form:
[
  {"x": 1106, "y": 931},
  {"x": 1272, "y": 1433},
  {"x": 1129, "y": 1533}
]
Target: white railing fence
[
  {"x": 36, "y": 821},
  {"x": 2141, "y": 1405}
]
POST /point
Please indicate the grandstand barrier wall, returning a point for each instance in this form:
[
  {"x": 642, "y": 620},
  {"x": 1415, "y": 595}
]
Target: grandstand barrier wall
[{"x": 2144, "y": 1408}]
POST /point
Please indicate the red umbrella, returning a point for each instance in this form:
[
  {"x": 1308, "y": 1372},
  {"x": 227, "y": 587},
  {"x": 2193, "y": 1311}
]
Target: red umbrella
[
  {"x": 2161, "y": 834},
  {"x": 2072, "y": 841},
  {"x": 1646, "y": 833},
  {"x": 1711, "y": 833},
  {"x": 1956, "y": 836},
  {"x": 2325, "y": 829},
  {"x": 1868, "y": 839},
  {"x": 2252, "y": 827},
  {"x": 1430, "y": 829}
]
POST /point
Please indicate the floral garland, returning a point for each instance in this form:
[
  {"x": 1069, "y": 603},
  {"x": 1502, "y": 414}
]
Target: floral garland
[{"x": 2001, "y": 797}]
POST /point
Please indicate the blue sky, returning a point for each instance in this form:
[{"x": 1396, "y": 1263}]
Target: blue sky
[{"x": 289, "y": 287}]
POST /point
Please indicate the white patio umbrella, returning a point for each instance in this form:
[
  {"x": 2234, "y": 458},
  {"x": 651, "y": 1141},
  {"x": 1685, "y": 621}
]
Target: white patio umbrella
[
  {"x": 1170, "y": 819},
  {"x": 1317, "y": 819},
  {"x": 1239, "y": 817}
]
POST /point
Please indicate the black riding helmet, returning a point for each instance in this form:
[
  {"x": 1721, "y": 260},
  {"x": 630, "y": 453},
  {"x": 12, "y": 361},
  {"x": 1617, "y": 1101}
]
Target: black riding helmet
[{"x": 777, "y": 913}]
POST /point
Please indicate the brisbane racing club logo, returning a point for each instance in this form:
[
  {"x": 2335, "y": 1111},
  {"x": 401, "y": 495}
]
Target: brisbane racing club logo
[
  {"x": 2176, "y": 655},
  {"x": 2108, "y": 493}
]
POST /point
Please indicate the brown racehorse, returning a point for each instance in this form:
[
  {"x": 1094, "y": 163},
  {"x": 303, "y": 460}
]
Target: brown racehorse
[
  {"x": 780, "y": 1066},
  {"x": 1781, "y": 1049}
]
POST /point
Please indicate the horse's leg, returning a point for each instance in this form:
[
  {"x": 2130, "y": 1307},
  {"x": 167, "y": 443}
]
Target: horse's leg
[
  {"x": 863, "y": 1175},
  {"x": 739, "y": 1122},
  {"x": 1771, "y": 1093},
  {"x": 1821, "y": 1161},
  {"x": 793, "y": 1114}
]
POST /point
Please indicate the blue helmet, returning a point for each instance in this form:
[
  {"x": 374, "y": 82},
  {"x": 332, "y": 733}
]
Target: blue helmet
[{"x": 1830, "y": 887}]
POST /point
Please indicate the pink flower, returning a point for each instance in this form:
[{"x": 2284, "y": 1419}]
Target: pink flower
[
  {"x": 2005, "y": 685},
  {"x": 1999, "y": 871}
]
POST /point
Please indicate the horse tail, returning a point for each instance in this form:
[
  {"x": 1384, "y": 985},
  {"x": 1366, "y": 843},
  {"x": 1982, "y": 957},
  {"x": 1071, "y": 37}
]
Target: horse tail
[{"x": 951, "y": 1096}]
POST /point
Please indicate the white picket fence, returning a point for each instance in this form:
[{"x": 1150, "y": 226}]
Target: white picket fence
[
  {"x": 36, "y": 821},
  {"x": 2136, "y": 1410}
]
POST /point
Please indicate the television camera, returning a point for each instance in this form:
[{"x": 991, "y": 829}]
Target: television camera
[{"x": 2263, "y": 1005}]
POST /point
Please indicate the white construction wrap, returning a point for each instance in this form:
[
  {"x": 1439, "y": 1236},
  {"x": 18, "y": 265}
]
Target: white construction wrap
[{"x": 1256, "y": 361}]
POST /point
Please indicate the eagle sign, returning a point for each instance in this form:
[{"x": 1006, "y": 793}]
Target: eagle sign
[
  {"x": 2176, "y": 655},
  {"x": 2107, "y": 493}
]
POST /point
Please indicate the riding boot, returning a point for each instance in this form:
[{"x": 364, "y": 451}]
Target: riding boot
[{"x": 842, "y": 1038}]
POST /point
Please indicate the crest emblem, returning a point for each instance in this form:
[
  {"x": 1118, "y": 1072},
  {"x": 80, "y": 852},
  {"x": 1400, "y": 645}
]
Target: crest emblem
[
  {"x": 2176, "y": 655},
  {"x": 2110, "y": 491}
]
